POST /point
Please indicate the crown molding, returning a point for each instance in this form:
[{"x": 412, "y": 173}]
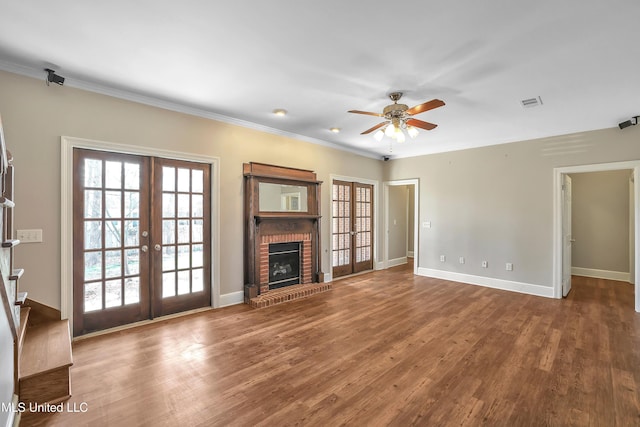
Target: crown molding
[{"x": 37, "y": 73}]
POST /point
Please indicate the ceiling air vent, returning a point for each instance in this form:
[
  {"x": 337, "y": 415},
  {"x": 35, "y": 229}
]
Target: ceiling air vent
[{"x": 531, "y": 102}]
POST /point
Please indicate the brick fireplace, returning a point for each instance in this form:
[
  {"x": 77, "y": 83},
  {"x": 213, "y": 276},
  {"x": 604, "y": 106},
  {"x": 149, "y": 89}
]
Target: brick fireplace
[
  {"x": 282, "y": 213},
  {"x": 304, "y": 239}
]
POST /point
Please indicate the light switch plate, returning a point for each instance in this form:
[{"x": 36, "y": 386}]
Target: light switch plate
[{"x": 29, "y": 236}]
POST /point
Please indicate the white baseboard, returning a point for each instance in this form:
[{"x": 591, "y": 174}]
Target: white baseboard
[
  {"x": 409, "y": 254},
  {"x": 601, "y": 274},
  {"x": 489, "y": 282},
  {"x": 397, "y": 261},
  {"x": 232, "y": 298},
  {"x": 378, "y": 266},
  {"x": 328, "y": 277}
]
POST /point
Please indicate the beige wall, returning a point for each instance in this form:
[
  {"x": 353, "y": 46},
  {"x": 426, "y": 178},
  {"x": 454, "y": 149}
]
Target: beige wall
[
  {"x": 36, "y": 116},
  {"x": 600, "y": 220},
  {"x": 397, "y": 221},
  {"x": 496, "y": 203}
]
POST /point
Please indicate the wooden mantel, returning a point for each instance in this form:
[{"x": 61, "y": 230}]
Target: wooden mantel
[{"x": 267, "y": 224}]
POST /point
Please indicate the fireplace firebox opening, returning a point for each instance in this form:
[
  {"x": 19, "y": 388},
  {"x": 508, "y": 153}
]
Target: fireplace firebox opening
[{"x": 284, "y": 264}]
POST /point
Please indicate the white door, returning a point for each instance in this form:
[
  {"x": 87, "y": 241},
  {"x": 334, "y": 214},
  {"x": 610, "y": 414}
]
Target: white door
[{"x": 566, "y": 234}]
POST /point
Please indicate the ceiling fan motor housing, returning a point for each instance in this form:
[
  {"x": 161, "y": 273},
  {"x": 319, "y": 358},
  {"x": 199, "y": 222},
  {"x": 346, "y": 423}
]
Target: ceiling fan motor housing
[{"x": 394, "y": 110}]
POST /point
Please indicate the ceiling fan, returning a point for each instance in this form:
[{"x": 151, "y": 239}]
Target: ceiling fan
[{"x": 399, "y": 117}]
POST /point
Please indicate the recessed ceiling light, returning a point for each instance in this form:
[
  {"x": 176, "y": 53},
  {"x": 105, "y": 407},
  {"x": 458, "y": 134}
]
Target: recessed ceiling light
[
  {"x": 335, "y": 130},
  {"x": 280, "y": 112}
]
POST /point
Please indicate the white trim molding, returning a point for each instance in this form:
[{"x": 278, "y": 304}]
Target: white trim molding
[
  {"x": 232, "y": 298},
  {"x": 397, "y": 261},
  {"x": 601, "y": 274},
  {"x": 489, "y": 282},
  {"x": 66, "y": 222}
]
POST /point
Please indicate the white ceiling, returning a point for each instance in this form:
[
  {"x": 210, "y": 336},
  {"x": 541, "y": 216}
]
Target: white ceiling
[{"x": 238, "y": 61}]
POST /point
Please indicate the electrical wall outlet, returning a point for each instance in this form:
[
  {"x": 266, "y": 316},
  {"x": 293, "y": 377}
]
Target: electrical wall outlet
[
  {"x": 509, "y": 266},
  {"x": 461, "y": 260},
  {"x": 485, "y": 264},
  {"x": 443, "y": 258}
]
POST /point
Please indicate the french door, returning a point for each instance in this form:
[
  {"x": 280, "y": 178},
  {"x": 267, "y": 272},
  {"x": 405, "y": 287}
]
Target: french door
[
  {"x": 140, "y": 246},
  {"x": 352, "y": 233}
]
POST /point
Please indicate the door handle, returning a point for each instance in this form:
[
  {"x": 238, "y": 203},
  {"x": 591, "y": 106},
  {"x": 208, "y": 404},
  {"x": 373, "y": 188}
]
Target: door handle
[
  {"x": 144, "y": 248},
  {"x": 157, "y": 247}
]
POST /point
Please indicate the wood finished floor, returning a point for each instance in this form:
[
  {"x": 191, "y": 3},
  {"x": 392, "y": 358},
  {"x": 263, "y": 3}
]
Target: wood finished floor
[{"x": 383, "y": 348}]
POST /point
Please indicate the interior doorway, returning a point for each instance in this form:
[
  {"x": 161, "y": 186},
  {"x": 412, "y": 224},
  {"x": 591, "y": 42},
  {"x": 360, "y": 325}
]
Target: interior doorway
[
  {"x": 559, "y": 234},
  {"x": 414, "y": 192}
]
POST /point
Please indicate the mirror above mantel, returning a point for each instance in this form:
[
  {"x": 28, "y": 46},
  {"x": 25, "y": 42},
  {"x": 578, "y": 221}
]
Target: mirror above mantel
[{"x": 275, "y": 197}]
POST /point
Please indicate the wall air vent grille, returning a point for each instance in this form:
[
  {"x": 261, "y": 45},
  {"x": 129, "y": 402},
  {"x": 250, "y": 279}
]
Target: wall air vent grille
[{"x": 531, "y": 102}]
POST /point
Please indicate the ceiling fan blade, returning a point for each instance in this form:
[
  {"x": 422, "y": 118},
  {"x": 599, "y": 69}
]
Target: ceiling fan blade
[
  {"x": 366, "y": 112},
  {"x": 420, "y": 124},
  {"x": 378, "y": 126},
  {"x": 429, "y": 105}
]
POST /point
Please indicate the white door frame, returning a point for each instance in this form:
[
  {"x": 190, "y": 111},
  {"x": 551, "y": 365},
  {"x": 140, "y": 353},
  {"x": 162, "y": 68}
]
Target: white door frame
[
  {"x": 557, "y": 218},
  {"x": 66, "y": 207},
  {"x": 416, "y": 196}
]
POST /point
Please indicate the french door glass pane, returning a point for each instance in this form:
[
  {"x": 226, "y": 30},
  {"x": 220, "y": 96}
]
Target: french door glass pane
[
  {"x": 168, "y": 284},
  {"x": 197, "y": 280},
  {"x": 92, "y": 296},
  {"x": 92, "y": 234},
  {"x": 92, "y": 266},
  {"x": 113, "y": 175},
  {"x": 131, "y": 204},
  {"x": 92, "y": 203},
  {"x": 168, "y": 178},
  {"x": 132, "y": 290},
  {"x": 92, "y": 173},
  {"x": 131, "y": 176},
  {"x": 113, "y": 293}
]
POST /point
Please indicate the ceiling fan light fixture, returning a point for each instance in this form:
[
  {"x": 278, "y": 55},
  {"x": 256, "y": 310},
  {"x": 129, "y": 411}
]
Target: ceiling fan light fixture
[
  {"x": 399, "y": 118},
  {"x": 280, "y": 112},
  {"x": 335, "y": 130},
  {"x": 390, "y": 130}
]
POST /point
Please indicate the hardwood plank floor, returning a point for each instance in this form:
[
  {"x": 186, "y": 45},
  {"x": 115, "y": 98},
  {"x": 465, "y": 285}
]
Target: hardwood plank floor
[{"x": 383, "y": 348}]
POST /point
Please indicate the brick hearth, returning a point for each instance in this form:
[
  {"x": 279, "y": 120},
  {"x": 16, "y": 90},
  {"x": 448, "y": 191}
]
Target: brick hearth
[{"x": 289, "y": 293}]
